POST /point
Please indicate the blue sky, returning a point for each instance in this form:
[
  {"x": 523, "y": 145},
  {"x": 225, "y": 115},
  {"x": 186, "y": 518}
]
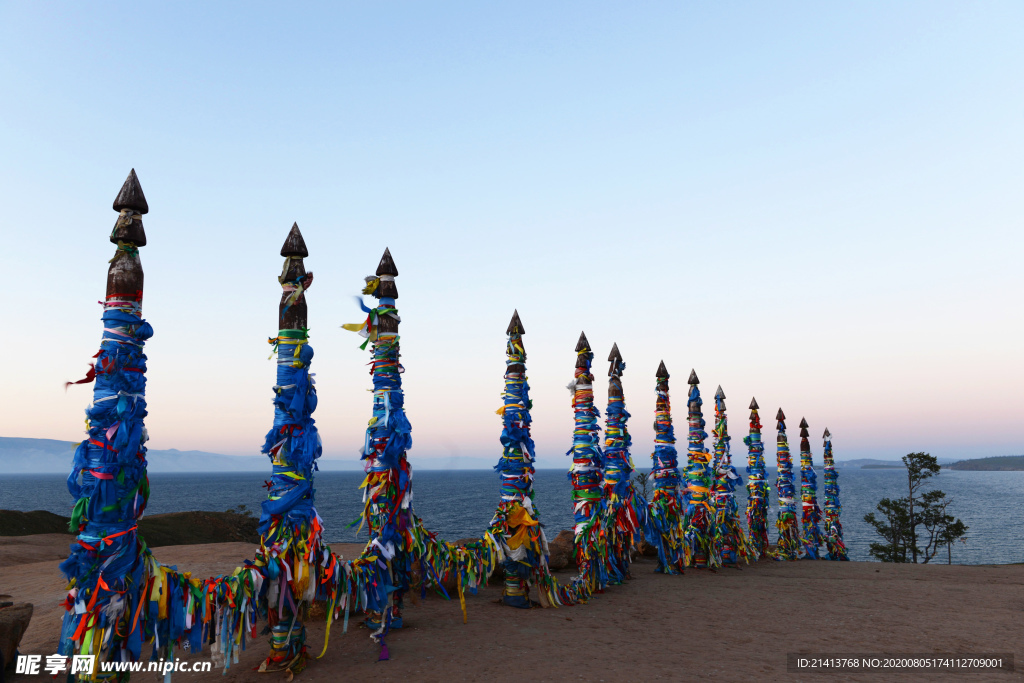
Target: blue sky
[{"x": 816, "y": 204}]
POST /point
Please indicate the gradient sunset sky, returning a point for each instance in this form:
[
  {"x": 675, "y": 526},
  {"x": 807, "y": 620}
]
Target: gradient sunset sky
[{"x": 817, "y": 204}]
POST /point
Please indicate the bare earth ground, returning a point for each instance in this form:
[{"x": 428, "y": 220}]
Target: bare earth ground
[{"x": 730, "y": 625}]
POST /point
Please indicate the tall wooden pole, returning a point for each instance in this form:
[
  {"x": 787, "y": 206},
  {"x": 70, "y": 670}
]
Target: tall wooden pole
[
  {"x": 290, "y": 532},
  {"x": 788, "y": 545},
  {"x": 730, "y": 542},
  {"x": 700, "y": 511},
  {"x": 515, "y": 522},
  {"x": 810, "y": 537},
  {"x": 586, "y": 473},
  {"x": 833, "y": 508},
  {"x": 667, "y": 509},
  {"x": 623, "y": 514},
  {"x": 388, "y": 487},
  {"x": 107, "y": 568},
  {"x": 757, "y": 487}
]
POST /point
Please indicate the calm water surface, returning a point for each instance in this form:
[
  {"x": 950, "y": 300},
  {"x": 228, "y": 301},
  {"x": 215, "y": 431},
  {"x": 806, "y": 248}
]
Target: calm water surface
[{"x": 459, "y": 504}]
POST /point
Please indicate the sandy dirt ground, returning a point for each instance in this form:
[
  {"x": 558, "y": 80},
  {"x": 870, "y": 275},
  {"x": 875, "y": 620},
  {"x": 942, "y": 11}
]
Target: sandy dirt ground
[{"x": 730, "y": 625}]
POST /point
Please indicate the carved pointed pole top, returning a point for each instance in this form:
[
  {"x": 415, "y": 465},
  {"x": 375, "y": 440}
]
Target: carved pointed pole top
[
  {"x": 516, "y": 325},
  {"x": 803, "y": 423},
  {"x": 693, "y": 378},
  {"x": 130, "y": 200},
  {"x": 826, "y": 435},
  {"x": 131, "y": 196},
  {"x": 753, "y": 404},
  {"x": 780, "y": 416},
  {"x": 387, "y": 289},
  {"x": 294, "y": 245},
  {"x": 615, "y": 358},
  {"x": 662, "y": 373},
  {"x": 582, "y": 344},
  {"x": 387, "y": 264},
  {"x": 720, "y": 394}
]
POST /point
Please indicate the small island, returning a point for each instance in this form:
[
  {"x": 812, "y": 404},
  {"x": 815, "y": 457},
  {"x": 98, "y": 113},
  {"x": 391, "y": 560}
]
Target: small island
[{"x": 999, "y": 463}]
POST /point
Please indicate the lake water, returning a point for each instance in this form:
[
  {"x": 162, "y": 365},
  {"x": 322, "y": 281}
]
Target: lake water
[{"x": 459, "y": 504}]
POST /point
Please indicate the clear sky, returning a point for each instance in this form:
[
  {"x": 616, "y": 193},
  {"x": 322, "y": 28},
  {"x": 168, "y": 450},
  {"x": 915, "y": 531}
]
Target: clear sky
[{"x": 818, "y": 204}]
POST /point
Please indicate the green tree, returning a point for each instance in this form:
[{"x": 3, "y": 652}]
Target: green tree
[
  {"x": 899, "y": 520},
  {"x": 640, "y": 482}
]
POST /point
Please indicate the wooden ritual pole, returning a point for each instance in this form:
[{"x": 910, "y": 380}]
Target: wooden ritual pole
[
  {"x": 388, "y": 486},
  {"x": 730, "y": 542},
  {"x": 811, "y": 514},
  {"x": 515, "y": 524},
  {"x": 108, "y": 568},
  {"x": 757, "y": 487},
  {"x": 788, "y": 545},
  {"x": 622, "y": 517},
  {"x": 667, "y": 508},
  {"x": 833, "y": 508},
  {"x": 700, "y": 511},
  {"x": 290, "y": 529},
  {"x": 585, "y": 474}
]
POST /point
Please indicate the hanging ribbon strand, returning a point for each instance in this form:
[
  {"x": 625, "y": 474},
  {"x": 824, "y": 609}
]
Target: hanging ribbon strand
[
  {"x": 730, "y": 542},
  {"x": 757, "y": 488},
  {"x": 833, "y": 508},
  {"x": 788, "y": 546}
]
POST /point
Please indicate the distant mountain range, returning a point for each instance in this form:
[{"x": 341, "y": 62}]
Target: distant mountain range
[
  {"x": 999, "y": 463},
  {"x": 876, "y": 464},
  {"x": 49, "y": 456}
]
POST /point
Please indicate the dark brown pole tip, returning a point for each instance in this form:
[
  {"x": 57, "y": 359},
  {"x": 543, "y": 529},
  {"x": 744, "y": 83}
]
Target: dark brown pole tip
[
  {"x": 615, "y": 355},
  {"x": 803, "y": 423},
  {"x": 753, "y": 404},
  {"x": 582, "y": 344},
  {"x": 780, "y": 415},
  {"x": 294, "y": 245},
  {"x": 826, "y": 434},
  {"x": 720, "y": 394},
  {"x": 516, "y": 325},
  {"x": 131, "y": 196},
  {"x": 387, "y": 264},
  {"x": 662, "y": 372},
  {"x": 693, "y": 378}
]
